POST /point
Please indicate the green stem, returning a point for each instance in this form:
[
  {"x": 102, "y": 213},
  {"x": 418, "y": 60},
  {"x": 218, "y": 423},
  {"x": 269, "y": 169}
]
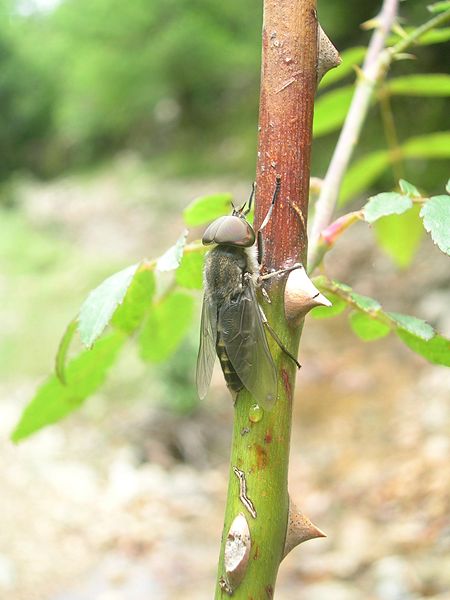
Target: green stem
[{"x": 261, "y": 441}]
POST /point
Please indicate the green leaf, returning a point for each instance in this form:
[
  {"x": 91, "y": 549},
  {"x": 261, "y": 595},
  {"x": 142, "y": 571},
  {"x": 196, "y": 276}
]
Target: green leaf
[
  {"x": 84, "y": 375},
  {"x": 434, "y": 36},
  {"x": 190, "y": 272},
  {"x": 171, "y": 259},
  {"x": 207, "y": 208},
  {"x": 365, "y": 171},
  {"x": 130, "y": 314},
  {"x": 98, "y": 308},
  {"x": 325, "y": 312},
  {"x": 400, "y": 235},
  {"x": 436, "y": 220},
  {"x": 385, "y": 204},
  {"x": 430, "y": 84},
  {"x": 369, "y": 322},
  {"x": 350, "y": 58},
  {"x": 366, "y": 327},
  {"x": 365, "y": 303},
  {"x": 438, "y": 7},
  {"x": 362, "y": 174},
  {"x": 63, "y": 348},
  {"x": 165, "y": 327},
  {"x": 417, "y": 327},
  {"x": 331, "y": 109},
  {"x": 433, "y": 145},
  {"x": 409, "y": 189},
  {"x": 436, "y": 350}
]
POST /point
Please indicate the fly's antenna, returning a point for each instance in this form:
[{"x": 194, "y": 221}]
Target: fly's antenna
[
  {"x": 249, "y": 201},
  {"x": 276, "y": 193}
]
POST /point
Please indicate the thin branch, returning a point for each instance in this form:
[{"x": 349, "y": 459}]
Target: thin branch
[
  {"x": 390, "y": 133},
  {"x": 374, "y": 69},
  {"x": 352, "y": 127}
]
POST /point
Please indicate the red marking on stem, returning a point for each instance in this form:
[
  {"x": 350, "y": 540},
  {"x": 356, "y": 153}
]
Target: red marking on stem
[
  {"x": 287, "y": 384},
  {"x": 268, "y": 437},
  {"x": 261, "y": 457},
  {"x": 269, "y": 591},
  {"x": 256, "y": 555}
]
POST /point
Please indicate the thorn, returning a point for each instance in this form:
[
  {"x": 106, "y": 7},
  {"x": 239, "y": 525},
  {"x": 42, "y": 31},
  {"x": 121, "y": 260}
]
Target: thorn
[
  {"x": 299, "y": 529},
  {"x": 398, "y": 29},
  {"x": 370, "y": 24},
  {"x": 328, "y": 57},
  {"x": 300, "y": 296},
  {"x": 404, "y": 56}
]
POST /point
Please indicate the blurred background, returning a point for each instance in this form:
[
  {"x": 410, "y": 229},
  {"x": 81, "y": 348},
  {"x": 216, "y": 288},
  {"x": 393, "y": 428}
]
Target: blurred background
[{"x": 113, "y": 116}]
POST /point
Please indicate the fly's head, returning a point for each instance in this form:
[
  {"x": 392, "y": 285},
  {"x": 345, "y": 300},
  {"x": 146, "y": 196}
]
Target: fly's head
[{"x": 231, "y": 230}]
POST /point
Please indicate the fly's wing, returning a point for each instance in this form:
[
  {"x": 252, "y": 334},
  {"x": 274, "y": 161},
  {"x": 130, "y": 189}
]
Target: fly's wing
[
  {"x": 207, "y": 349},
  {"x": 240, "y": 325}
]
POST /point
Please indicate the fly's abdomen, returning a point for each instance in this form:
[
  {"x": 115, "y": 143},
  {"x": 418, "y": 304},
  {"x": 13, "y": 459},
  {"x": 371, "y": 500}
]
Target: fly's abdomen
[{"x": 231, "y": 377}]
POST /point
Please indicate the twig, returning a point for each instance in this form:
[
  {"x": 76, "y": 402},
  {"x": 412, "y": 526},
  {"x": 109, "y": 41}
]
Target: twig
[
  {"x": 352, "y": 127},
  {"x": 375, "y": 66}
]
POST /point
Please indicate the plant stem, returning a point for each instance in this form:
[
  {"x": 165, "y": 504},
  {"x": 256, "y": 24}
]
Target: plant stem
[
  {"x": 375, "y": 66},
  {"x": 390, "y": 133},
  {"x": 352, "y": 127},
  {"x": 260, "y": 447}
]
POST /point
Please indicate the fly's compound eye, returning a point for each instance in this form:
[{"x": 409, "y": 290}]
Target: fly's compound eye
[{"x": 232, "y": 230}]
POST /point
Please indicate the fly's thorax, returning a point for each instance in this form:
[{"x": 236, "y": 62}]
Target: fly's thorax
[{"x": 224, "y": 270}]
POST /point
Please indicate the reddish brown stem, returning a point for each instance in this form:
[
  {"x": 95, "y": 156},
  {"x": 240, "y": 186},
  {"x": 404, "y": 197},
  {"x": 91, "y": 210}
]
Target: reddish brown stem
[{"x": 288, "y": 84}]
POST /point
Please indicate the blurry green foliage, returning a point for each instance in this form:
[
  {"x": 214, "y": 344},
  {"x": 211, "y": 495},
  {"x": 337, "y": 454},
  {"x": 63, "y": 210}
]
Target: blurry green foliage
[{"x": 178, "y": 82}]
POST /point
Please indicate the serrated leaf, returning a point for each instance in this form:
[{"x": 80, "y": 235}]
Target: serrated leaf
[
  {"x": 325, "y": 312},
  {"x": 438, "y": 7},
  {"x": 84, "y": 375},
  {"x": 362, "y": 174},
  {"x": 63, "y": 349},
  {"x": 207, "y": 208},
  {"x": 408, "y": 188},
  {"x": 365, "y": 303},
  {"x": 171, "y": 259},
  {"x": 366, "y": 327},
  {"x": 130, "y": 314},
  {"x": 436, "y": 220},
  {"x": 190, "y": 272},
  {"x": 350, "y": 58},
  {"x": 98, "y": 308},
  {"x": 427, "y": 84},
  {"x": 433, "y": 145},
  {"x": 436, "y": 350},
  {"x": 331, "y": 109},
  {"x": 388, "y": 203},
  {"x": 400, "y": 235},
  {"x": 417, "y": 327},
  {"x": 165, "y": 327}
]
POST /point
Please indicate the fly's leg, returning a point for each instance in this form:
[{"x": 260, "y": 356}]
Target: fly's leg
[
  {"x": 280, "y": 272},
  {"x": 250, "y": 200},
  {"x": 266, "y": 295},
  {"x": 274, "y": 334},
  {"x": 262, "y": 278},
  {"x": 259, "y": 237}
]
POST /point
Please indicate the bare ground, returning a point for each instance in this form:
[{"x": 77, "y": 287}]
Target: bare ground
[{"x": 125, "y": 502}]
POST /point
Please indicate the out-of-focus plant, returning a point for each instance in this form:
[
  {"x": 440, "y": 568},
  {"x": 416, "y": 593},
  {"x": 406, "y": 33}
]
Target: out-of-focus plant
[
  {"x": 113, "y": 75},
  {"x": 129, "y": 304}
]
